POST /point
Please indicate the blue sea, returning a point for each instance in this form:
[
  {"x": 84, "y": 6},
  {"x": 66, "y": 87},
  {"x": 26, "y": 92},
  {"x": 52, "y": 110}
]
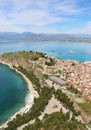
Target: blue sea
[
  {"x": 13, "y": 88},
  {"x": 57, "y": 49}
]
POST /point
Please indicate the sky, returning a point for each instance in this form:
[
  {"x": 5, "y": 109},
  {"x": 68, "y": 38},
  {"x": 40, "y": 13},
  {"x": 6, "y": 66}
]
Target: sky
[{"x": 46, "y": 16}]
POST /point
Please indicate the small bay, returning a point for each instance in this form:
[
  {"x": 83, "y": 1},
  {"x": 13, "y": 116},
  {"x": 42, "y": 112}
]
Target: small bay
[{"x": 13, "y": 91}]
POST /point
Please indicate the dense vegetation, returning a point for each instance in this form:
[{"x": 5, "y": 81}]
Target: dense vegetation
[
  {"x": 45, "y": 76},
  {"x": 37, "y": 108},
  {"x": 86, "y": 107},
  {"x": 62, "y": 97},
  {"x": 74, "y": 90},
  {"x": 50, "y": 63},
  {"x": 56, "y": 121}
]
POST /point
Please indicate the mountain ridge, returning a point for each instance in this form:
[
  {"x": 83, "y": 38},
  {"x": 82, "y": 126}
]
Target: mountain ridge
[{"x": 30, "y": 36}]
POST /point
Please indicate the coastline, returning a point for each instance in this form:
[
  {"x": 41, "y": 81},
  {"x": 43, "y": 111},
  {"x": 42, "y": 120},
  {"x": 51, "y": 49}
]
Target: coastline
[{"x": 29, "y": 98}]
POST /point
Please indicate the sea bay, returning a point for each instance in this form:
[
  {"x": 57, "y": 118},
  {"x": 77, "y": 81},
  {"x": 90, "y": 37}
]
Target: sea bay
[
  {"x": 59, "y": 50},
  {"x": 13, "y": 91}
]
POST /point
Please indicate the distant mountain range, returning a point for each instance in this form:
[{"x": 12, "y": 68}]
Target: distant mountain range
[{"x": 29, "y": 36}]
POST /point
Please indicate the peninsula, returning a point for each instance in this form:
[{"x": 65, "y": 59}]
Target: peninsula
[{"x": 59, "y": 98}]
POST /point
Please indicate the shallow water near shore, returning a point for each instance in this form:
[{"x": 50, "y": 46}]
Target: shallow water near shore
[{"x": 13, "y": 91}]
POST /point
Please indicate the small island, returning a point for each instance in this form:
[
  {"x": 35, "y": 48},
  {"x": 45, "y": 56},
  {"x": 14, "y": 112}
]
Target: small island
[{"x": 57, "y": 96}]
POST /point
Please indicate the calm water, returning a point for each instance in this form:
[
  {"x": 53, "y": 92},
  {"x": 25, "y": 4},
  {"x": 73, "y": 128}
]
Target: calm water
[
  {"x": 57, "y": 49},
  {"x": 13, "y": 91}
]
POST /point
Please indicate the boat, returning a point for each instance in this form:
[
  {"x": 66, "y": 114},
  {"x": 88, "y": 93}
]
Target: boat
[{"x": 72, "y": 52}]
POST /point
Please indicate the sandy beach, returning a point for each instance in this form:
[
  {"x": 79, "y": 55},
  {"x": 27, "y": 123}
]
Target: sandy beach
[{"x": 29, "y": 99}]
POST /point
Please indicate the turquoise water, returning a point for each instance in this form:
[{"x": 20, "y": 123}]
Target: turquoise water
[
  {"x": 13, "y": 91},
  {"x": 57, "y": 49}
]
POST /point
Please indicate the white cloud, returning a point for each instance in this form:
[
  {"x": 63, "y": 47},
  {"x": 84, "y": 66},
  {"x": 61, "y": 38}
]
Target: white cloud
[
  {"x": 36, "y": 15},
  {"x": 68, "y": 7},
  {"x": 35, "y": 18},
  {"x": 87, "y": 28}
]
